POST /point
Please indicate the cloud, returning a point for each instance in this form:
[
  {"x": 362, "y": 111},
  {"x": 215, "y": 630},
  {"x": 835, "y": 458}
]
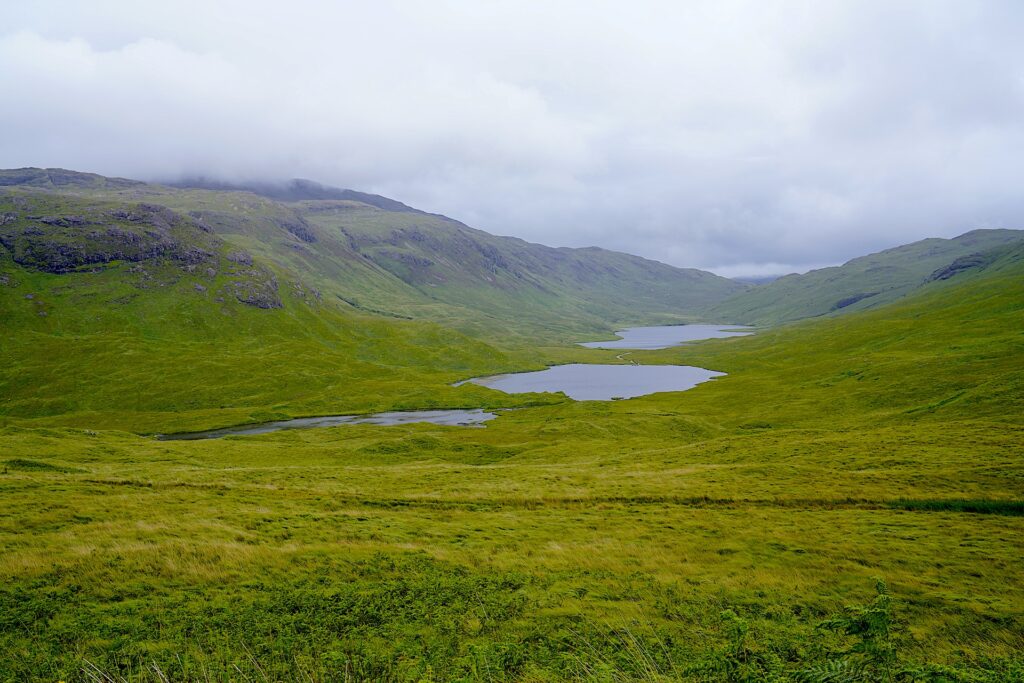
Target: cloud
[{"x": 739, "y": 136}]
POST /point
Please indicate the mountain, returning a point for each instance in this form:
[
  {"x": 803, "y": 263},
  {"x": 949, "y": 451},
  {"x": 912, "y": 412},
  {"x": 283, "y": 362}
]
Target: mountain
[
  {"x": 757, "y": 279},
  {"x": 951, "y": 349},
  {"x": 57, "y": 179},
  {"x": 721, "y": 525},
  {"x": 166, "y": 308},
  {"x": 883, "y": 443},
  {"x": 375, "y": 255},
  {"x": 865, "y": 282},
  {"x": 120, "y": 312},
  {"x": 295, "y": 190}
]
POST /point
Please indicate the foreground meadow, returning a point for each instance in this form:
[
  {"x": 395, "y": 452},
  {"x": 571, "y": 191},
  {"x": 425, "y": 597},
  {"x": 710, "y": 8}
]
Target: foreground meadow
[
  {"x": 503, "y": 553},
  {"x": 846, "y": 505}
]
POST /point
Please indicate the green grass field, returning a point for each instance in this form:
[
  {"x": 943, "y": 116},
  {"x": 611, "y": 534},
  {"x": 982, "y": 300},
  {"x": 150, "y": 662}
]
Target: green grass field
[{"x": 846, "y": 505}]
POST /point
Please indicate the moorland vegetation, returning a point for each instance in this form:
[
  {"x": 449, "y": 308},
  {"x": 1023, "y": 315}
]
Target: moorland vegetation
[{"x": 847, "y": 504}]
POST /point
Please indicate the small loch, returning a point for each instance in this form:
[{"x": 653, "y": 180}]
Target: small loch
[
  {"x": 592, "y": 382},
  {"x": 462, "y": 418},
  {"x": 666, "y": 336}
]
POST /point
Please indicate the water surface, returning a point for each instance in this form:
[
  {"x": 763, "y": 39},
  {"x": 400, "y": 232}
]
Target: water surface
[
  {"x": 664, "y": 336},
  {"x": 438, "y": 417},
  {"x": 587, "y": 382}
]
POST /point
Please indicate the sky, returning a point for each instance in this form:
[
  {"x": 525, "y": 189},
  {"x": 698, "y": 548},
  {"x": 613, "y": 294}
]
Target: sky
[{"x": 747, "y": 138}]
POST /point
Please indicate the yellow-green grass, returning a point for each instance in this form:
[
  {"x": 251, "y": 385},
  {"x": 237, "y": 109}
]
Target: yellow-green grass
[
  {"x": 94, "y": 350},
  {"x": 622, "y": 540},
  {"x": 129, "y": 550}
]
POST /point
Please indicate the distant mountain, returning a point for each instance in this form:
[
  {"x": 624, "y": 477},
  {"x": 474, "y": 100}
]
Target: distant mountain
[
  {"x": 757, "y": 279},
  {"x": 60, "y": 179},
  {"x": 295, "y": 190},
  {"x": 864, "y": 282},
  {"x": 359, "y": 252}
]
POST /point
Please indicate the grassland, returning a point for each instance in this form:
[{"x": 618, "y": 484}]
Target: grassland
[
  {"x": 634, "y": 539},
  {"x": 412, "y": 555},
  {"x": 734, "y": 532}
]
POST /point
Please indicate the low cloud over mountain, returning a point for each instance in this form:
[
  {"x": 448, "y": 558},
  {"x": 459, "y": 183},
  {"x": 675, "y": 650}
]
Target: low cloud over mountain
[{"x": 749, "y": 138}]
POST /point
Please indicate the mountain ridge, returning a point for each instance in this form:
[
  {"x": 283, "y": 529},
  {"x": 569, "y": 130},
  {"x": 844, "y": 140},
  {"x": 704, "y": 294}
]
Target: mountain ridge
[
  {"x": 400, "y": 262},
  {"x": 375, "y": 255},
  {"x": 296, "y": 189},
  {"x": 862, "y": 282}
]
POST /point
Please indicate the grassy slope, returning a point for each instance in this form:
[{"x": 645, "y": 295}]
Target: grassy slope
[
  {"x": 509, "y": 279},
  {"x": 863, "y": 283},
  {"x": 161, "y": 345},
  {"x": 412, "y": 264},
  {"x": 157, "y": 344},
  {"x": 953, "y": 349},
  {"x": 431, "y": 250},
  {"x": 631, "y": 539}
]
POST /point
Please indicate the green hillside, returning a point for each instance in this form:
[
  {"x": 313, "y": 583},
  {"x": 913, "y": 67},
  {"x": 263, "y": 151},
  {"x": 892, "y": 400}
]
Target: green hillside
[
  {"x": 865, "y": 282},
  {"x": 398, "y": 262},
  {"x": 127, "y": 304},
  {"x": 131, "y": 314},
  {"x": 846, "y": 504}
]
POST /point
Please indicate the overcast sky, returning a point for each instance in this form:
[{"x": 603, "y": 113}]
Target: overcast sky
[{"x": 747, "y": 138}]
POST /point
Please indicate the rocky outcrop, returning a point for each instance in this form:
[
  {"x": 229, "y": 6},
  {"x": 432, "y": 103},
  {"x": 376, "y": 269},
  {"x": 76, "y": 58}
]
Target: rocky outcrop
[
  {"x": 64, "y": 243},
  {"x": 34, "y": 249},
  {"x": 309, "y": 295},
  {"x": 239, "y": 257},
  {"x": 63, "y": 221},
  {"x": 257, "y": 288},
  {"x": 964, "y": 263},
  {"x": 851, "y": 300},
  {"x": 404, "y": 257},
  {"x": 300, "y": 229}
]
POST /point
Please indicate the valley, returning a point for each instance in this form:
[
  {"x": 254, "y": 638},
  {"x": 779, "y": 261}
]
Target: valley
[{"x": 843, "y": 501}]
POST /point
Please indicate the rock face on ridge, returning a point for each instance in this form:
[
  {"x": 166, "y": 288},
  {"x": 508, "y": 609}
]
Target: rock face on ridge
[
  {"x": 60, "y": 244},
  {"x": 962, "y": 264},
  {"x": 162, "y": 245}
]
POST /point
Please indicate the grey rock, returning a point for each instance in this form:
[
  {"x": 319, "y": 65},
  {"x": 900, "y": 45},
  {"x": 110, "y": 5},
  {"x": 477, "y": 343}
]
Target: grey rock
[
  {"x": 240, "y": 257},
  {"x": 301, "y": 229},
  {"x": 64, "y": 221}
]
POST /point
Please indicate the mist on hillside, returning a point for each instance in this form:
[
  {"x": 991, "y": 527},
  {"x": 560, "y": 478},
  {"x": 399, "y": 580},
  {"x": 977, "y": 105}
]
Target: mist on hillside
[{"x": 751, "y": 139}]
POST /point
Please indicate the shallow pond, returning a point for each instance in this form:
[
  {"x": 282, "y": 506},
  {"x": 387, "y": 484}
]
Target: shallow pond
[
  {"x": 664, "y": 336},
  {"x": 438, "y": 417},
  {"x": 587, "y": 382}
]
